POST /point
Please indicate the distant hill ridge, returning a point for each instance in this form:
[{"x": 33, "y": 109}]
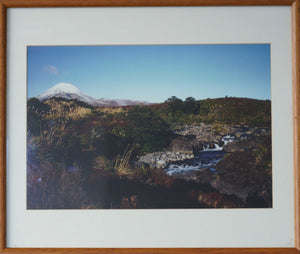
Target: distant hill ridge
[{"x": 71, "y": 92}]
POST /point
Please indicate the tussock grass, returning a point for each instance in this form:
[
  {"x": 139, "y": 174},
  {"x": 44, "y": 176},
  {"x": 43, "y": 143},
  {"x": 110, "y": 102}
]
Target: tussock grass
[
  {"x": 67, "y": 109},
  {"x": 112, "y": 110},
  {"x": 122, "y": 166}
]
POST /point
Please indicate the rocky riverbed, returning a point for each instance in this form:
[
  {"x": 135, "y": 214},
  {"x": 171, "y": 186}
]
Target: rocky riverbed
[
  {"x": 162, "y": 159},
  {"x": 207, "y": 136},
  {"x": 191, "y": 139}
]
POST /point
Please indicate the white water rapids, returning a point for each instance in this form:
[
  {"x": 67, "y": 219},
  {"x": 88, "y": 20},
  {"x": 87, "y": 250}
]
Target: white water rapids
[{"x": 208, "y": 157}]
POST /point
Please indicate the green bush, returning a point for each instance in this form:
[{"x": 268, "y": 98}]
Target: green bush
[{"x": 146, "y": 128}]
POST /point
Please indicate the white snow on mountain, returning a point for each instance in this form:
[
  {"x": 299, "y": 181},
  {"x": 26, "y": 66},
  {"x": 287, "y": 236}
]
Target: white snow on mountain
[
  {"x": 66, "y": 91},
  {"x": 62, "y": 88},
  {"x": 69, "y": 91}
]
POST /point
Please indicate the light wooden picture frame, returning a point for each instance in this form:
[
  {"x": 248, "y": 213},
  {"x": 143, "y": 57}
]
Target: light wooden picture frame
[{"x": 5, "y": 4}]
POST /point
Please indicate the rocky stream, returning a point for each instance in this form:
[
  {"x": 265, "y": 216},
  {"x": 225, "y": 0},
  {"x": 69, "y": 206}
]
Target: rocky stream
[{"x": 196, "y": 154}]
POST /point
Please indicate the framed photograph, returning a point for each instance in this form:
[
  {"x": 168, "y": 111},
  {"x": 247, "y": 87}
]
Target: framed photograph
[{"x": 160, "y": 127}]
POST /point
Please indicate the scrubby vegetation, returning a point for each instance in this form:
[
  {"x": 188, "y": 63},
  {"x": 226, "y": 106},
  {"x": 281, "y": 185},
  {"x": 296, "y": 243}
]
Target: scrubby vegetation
[
  {"x": 80, "y": 156},
  {"x": 228, "y": 110}
]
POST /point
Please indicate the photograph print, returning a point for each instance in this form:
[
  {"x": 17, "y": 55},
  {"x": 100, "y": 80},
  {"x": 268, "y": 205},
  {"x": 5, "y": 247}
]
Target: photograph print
[{"x": 149, "y": 127}]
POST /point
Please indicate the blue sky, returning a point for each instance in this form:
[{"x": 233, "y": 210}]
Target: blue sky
[{"x": 153, "y": 72}]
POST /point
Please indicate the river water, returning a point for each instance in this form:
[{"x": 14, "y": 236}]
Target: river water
[{"x": 206, "y": 158}]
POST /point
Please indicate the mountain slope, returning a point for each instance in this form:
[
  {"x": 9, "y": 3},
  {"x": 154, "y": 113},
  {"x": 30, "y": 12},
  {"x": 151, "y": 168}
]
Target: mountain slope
[
  {"x": 66, "y": 91},
  {"x": 69, "y": 91}
]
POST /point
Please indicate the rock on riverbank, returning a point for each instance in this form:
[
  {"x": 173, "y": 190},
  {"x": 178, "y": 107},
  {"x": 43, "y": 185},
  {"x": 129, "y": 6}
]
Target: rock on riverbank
[{"x": 162, "y": 159}]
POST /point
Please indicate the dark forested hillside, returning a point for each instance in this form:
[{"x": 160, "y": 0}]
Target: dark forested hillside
[
  {"x": 228, "y": 110},
  {"x": 237, "y": 111}
]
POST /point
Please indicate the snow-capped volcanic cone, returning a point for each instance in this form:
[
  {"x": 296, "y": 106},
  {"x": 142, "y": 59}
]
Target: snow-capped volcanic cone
[
  {"x": 69, "y": 91},
  {"x": 66, "y": 91}
]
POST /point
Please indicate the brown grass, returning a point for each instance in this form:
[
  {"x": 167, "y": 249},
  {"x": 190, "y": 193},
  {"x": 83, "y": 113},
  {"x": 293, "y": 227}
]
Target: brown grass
[
  {"x": 112, "y": 110},
  {"x": 122, "y": 166},
  {"x": 67, "y": 109}
]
